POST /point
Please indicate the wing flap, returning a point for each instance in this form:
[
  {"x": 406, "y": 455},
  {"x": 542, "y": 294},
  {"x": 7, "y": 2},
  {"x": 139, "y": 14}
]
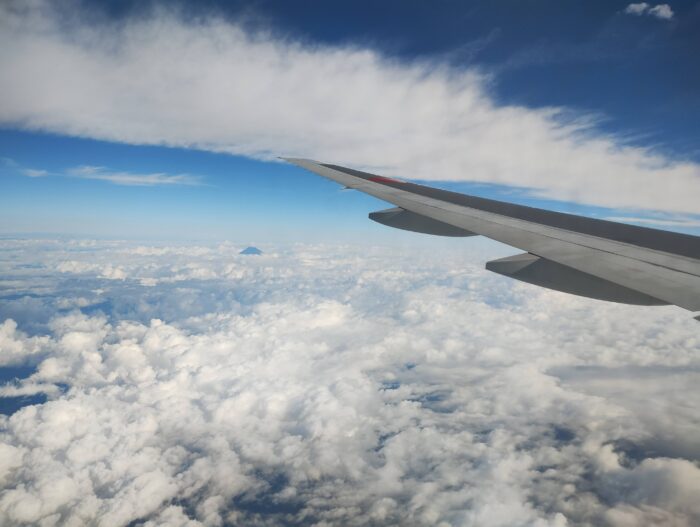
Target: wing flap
[
  {"x": 406, "y": 220},
  {"x": 538, "y": 271}
]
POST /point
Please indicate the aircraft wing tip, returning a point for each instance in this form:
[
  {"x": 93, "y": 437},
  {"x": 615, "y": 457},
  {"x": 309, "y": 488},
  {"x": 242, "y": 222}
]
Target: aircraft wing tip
[{"x": 298, "y": 160}]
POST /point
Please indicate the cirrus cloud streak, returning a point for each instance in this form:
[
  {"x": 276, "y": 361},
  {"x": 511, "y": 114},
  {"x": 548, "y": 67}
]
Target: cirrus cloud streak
[{"x": 211, "y": 84}]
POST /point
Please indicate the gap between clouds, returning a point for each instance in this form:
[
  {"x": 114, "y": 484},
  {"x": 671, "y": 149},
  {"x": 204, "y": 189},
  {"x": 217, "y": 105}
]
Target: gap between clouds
[{"x": 208, "y": 83}]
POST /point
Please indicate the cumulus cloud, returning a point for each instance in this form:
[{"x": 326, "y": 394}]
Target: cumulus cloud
[
  {"x": 103, "y": 270},
  {"x": 338, "y": 386},
  {"x": 662, "y": 11},
  {"x": 16, "y": 347},
  {"x": 209, "y": 83},
  {"x": 637, "y": 9}
]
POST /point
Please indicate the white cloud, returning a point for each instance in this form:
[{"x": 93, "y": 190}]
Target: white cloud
[
  {"x": 341, "y": 386},
  {"x": 132, "y": 179},
  {"x": 113, "y": 273},
  {"x": 75, "y": 266},
  {"x": 32, "y": 172},
  {"x": 637, "y": 9},
  {"x": 16, "y": 346},
  {"x": 212, "y": 85},
  {"x": 662, "y": 11},
  {"x": 28, "y": 389},
  {"x": 114, "y": 176}
]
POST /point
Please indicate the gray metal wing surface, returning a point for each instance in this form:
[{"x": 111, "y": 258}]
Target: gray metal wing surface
[{"x": 575, "y": 254}]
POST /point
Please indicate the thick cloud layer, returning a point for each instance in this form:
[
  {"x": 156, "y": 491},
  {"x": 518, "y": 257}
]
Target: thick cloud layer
[
  {"x": 335, "y": 386},
  {"x": 208, "y": 83}
]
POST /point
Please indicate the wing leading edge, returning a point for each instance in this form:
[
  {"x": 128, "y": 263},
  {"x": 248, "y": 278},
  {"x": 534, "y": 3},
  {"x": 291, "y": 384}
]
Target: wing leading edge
[{"x": 575, "y": 254}]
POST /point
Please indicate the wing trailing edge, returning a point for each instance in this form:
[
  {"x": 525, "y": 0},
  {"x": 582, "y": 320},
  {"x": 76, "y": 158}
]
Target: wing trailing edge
[{"x": 534, "y": 270}]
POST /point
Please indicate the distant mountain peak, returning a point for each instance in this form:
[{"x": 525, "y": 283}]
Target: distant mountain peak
[{"x": 251, "y": 250}]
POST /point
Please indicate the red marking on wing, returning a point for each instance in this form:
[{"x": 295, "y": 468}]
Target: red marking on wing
[{"x": 382, "y": 179}]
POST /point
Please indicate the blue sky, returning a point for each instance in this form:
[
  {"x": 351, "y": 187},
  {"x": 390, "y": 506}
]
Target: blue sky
[{"x": 631, "y": 78}]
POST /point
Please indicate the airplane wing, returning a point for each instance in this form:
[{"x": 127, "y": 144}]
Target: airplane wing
[{"x": 574, "y": 254}]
